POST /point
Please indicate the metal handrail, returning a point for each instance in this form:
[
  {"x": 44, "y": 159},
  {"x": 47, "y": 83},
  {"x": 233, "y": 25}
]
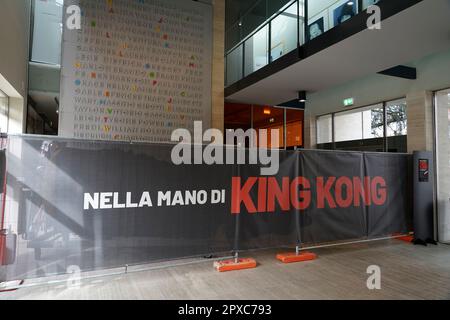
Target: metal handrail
[
  {"x": 305, "y": 17},
  {"x": 267, "y": 22}
]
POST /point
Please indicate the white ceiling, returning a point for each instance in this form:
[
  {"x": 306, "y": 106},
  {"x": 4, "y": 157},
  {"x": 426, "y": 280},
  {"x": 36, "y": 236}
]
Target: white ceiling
[{"x": 412, "y": 34}]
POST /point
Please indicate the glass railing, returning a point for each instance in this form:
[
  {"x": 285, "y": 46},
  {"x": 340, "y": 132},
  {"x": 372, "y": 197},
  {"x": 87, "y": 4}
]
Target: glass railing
[
  {"x": 47, "y": 28},
  {"x": 283, "y": 32}
]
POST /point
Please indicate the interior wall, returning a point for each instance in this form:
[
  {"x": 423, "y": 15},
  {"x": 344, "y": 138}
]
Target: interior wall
[
  {"x": 14, "y": 35},
  {"x": 172, "y": 89},
  {"x": 218, "y": 65}
]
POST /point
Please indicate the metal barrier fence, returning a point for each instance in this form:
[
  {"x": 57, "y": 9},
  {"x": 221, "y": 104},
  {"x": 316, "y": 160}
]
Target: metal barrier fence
[{"x": 100, "y": 205}]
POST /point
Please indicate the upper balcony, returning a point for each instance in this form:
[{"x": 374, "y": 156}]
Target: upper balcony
[{"x": 309, "y": 45}]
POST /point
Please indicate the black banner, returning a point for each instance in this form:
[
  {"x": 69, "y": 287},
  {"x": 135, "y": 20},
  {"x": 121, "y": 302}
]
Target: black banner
[{"x": 99, "y": 205}]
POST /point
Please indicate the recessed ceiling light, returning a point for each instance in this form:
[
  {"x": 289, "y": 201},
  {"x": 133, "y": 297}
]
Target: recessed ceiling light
[{"x": 302, "y": 96}]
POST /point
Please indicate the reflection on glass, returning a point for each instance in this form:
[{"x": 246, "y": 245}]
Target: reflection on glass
[
  {"x": 294, "y": 128},
  {"x": 238, "y": 116},
  {"x": 284, "y": 32},
  {"x": 326, "y": 14},
  {"x": 256, "y": 17},
  {"x": 348, "y": 125},
  {"x": 244, "y": 17},
  {"x": 287, "y": 29},
  {"x": 4, "y": 112},
  {"x": 318, "y": 19},
  {"x": 367, "y": 3},
  {"x": 373, "y": 122},
  {"x": 396, "y": 119},
  {"x": 324, "y": 129},
  {"x": 234, "y": 66},
  {"x": 443, "y": 163},
  {"x": 232, "y": 37},
  {"x": 269, "y": 118},
  {"x": 47, "y": 31},
  {"x": 316, "y": 28},
  {"x": 343, "y": 12},
  {"x": 358, "y": 124},
  {"x": 256, "y": 51},
  {"x": 396, "y": 126}
]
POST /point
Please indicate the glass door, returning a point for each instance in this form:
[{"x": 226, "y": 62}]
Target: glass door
[{"x": 442, "y": 103}]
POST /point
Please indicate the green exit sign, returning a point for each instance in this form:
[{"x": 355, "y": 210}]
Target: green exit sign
[{"x": 349, "y": 102}]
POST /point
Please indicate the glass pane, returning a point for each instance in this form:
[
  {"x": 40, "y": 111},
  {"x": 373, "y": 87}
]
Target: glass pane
[
  {"x": 4, "y": 111},
  {"x": 367, "y": 3},
  {"x": 269, "y": 118},
  {"x": 238, "y": 116},
  {"x": 234, "y": 66},
  {"x": 255, "y": 18},
  {"x": 275, "y": 5},
  {"x": 443, "y": 163},
  {"x": 47, "y": 31},
  {"x": 373, "y": 124},
  {"x": 397, "y": 124},
  {"x": 244, "y": 17},
  {"x": 284, "y": 32},
  {"x": 301, "y": 22},
  {"x": 232, "y": 37},
  {"x": 324, "y": 129},
  {"x": 348, "y": 126},
  {"x": 256, "y": 53},
  {"x": 326, "y": 14},
  {"x": 294, "y": 128}
]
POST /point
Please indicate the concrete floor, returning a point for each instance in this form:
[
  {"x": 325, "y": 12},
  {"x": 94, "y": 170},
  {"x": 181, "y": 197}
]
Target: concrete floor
[{"x": 407, "y": 272}]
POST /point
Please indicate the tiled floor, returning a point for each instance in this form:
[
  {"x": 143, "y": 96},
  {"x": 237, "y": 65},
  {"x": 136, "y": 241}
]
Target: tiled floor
[{"x": 407, "y": 272}]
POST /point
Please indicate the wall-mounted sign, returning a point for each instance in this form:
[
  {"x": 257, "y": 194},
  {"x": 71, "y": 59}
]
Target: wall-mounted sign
[
  {"x": 424, "y": 171},
  {"x": 349, "y": 102},
  {"x": 136, "y": 70}
]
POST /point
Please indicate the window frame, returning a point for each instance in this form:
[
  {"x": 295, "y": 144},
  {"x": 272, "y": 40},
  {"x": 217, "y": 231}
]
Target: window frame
[{"x": 385, "y": 137}]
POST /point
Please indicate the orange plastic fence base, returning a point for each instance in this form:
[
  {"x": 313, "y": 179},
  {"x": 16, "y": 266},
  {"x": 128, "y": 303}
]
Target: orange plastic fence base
[
  {"x": 292, "y": 257},
  {"x": 406, "y": 238},
  {"x": 231, "y": 265},
  {"x": 409, "y": 239}
]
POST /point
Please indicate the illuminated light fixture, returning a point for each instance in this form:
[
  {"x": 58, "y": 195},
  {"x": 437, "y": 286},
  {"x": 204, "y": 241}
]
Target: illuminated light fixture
[
  {"x": 302, "y": 96},
  {"x": 349, "y": 102},
  {"x": 267, "y": 111},
  {"x": 240, "y": 24},
  {"x": 350, "y": 3}
]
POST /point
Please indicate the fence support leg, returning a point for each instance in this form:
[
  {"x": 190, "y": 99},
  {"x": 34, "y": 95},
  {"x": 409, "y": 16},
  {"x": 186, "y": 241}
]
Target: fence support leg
[
  {"x": 298, "y": 256},
  {"x": 236, "y": 263}
]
